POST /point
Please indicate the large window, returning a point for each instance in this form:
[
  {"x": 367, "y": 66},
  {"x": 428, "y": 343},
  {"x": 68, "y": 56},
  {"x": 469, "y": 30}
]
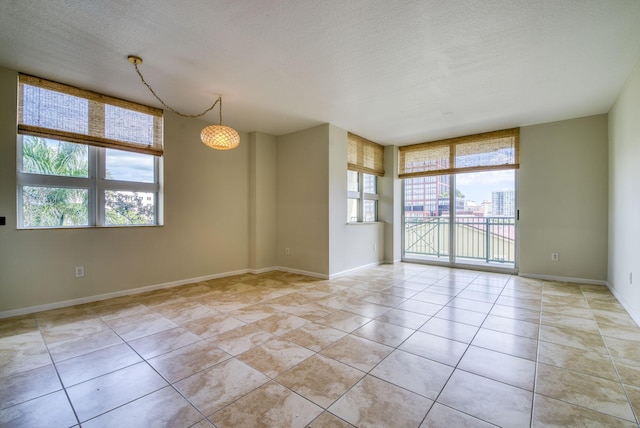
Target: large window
[
  {"x": 460, "y": 199},
  {"x": 364, "y": 165},
  {"x": 85, "y": 159}
]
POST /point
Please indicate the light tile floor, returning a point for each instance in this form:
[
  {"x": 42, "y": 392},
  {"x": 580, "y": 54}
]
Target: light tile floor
[{"x": 393, "y": 346}]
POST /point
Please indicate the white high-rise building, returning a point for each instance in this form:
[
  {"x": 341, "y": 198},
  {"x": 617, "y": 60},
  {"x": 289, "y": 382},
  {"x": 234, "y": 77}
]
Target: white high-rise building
[{"x": 503, "y": 203}]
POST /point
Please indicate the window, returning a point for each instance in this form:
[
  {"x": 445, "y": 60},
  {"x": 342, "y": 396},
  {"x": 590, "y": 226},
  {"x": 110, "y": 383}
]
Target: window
[
  {"x": 459, "y": 198},
  {"x": 364, "y": 164},
  {"x": 362, "y": 202},
  {"x": 85, "y": 159}
]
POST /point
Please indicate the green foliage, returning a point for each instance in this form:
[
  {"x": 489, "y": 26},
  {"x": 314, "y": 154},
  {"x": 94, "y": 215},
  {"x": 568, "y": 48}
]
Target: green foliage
[
  {"x": 54, "y": 158},
  {"x": 459, "y": 194},
  {"x": 124, "y": 208},
  {"x": 59, "y": 206},
  {"x": 47, "y": 206}
]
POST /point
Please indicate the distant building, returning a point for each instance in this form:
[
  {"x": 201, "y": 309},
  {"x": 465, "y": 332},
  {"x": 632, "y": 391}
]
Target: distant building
[
  {"x": 486, "y": 208},
  {"x": 425, "y": 196},
  {"x": 443, "y": 206},
  {"x": 503, "y": 203},
  {"x": 477, "y": 210},
  {"x": 429, "y": 196}
]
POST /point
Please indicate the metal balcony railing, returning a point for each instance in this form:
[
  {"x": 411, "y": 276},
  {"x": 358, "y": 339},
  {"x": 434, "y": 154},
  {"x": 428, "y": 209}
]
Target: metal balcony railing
[{"x": 490, "y": 239}]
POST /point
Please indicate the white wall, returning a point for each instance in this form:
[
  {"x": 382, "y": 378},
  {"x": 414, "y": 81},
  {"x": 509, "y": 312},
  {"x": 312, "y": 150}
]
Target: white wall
[
  {"x": 624, "y": 194},
  {"x": 563, "y": 198},
  {"x": 205, "y": 231},
  {"x": 350, "y": 245}
]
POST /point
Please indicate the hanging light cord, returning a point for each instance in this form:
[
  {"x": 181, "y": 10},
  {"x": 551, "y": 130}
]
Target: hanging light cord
[{"x": 137, "y": 60}]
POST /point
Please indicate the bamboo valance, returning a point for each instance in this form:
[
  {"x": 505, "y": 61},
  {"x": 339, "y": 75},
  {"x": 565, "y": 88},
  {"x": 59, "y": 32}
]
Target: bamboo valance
[
  {"x": 364, "y": 155},
  {"x": 481, "y": 152},
  {"x": 52, "y": 110}
]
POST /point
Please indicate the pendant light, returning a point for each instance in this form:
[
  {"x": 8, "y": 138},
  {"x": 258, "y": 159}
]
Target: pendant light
[{"x": 217, "y": 137}]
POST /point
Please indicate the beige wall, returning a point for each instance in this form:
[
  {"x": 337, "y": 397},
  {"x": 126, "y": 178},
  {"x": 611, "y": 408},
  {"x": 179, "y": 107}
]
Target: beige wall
[
  {"x": 312, "y": 206},
  {"x": 263, "y": 177},
  {"x": 563, "y": 195},
  {"x": 390, "y": 208},
  {"x": 624, "y": 194},
  {"x": 303, "y": 200},
  {"x": 350, "y": 245},
  {"x": 238, "y": 210},
  {"x": 223, "y": 212},
  {"x": 205, "y": 231}
]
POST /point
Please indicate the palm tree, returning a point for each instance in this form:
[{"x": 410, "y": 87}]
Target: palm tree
[{"x": 54, "y": 206}]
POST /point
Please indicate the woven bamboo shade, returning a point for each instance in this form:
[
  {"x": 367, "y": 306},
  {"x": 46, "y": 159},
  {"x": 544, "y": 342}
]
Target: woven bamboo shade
[
  {"x": 364, "y": 155},
  {"x": 481, "y": 152},
  {"x": 52, "y": 110}
]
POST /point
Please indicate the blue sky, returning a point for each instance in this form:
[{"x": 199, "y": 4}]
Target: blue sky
[
  {"x": 477, "y": 186},
  {"x": 129, "y": 166}
]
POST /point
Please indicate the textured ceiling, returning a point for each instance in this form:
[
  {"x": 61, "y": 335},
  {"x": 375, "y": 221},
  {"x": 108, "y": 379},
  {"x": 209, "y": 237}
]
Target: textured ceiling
[{"x": 396, "y": 72}]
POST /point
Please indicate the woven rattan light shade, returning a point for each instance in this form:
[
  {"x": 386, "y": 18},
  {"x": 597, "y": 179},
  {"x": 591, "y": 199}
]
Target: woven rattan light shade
[
  {"x": 220, "y": 137},
  {"x": 364, "y": 155},
  {"x": 52, "y": 110},
  {"x": 481, "y": 152}
]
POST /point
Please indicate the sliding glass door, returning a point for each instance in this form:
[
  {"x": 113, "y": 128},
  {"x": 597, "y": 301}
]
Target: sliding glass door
[
  {"x": 460, "y": 199},
  {"x": 474, "y": 224},
  {"x": 485, "y": 218},
  {"x": 426, "y": 218}
]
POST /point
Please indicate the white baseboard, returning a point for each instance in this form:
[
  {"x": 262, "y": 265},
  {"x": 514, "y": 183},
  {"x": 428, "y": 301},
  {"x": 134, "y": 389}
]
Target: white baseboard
[
  {"x": 632, "y": 312},
  {"x": 563, "y": 278},
  {"x": 132, "y": 291},
  {"x": 302, "y": 272},
  {"x": 316, "y": 274},
  {"x": 391, "y": 262},
  {"x": 128, "y": 292},
  {"x": 263, "y": 270},
  {"x": 290, "y": 270},
  {"x": 352, "y": 270}
]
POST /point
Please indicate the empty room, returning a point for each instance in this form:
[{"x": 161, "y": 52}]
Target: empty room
[{"x": 365, "y": 213}]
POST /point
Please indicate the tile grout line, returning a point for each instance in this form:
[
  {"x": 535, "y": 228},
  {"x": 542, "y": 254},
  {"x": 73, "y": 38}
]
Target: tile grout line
[
  {"x": 73, "y": 409},
  {"x": 172, "y": 385},
  {"x": 535, "y": 368},
  {"x": 368, "y": 373},
  {"x": 462, "y": 356},
  {"x": 584, "y": 373},
  {"x": 613, "y": 362},
  {"x": 142, "y": 360}
]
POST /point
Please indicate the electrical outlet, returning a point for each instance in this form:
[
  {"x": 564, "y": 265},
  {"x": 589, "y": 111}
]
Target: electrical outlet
[
  {"x": 630, "y": 277},
  {"x": 375, "y": 248},
  {"x": 79, "y": 271},
  {"x": 287, "y": 251},
  {"x": 555, "y": 257}
]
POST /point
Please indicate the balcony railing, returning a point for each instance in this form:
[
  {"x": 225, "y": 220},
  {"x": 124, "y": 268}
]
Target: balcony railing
[{"x": 490, "y": 239}]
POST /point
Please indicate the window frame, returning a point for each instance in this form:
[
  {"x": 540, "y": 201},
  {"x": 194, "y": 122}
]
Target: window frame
[
  {"x": 361, "y": 197},
  {"x": 96, "y": 184},
  {"x": 45, "y": 110}
]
